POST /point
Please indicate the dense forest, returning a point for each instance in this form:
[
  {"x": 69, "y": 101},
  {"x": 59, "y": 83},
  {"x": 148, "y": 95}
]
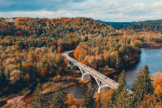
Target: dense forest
[
  {"x": 31, "y": 53},
  {"x": 154, "y": 26}
]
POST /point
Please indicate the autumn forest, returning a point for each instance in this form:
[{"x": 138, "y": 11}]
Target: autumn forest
[{"x": 32, "y": 65}]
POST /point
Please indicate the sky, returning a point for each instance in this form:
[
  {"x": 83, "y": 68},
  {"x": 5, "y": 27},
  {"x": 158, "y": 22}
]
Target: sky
[{"x": 104, "y": 10}]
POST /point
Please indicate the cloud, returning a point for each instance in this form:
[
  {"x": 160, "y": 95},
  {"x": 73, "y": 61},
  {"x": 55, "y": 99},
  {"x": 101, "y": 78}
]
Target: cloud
[{"x": 106, "y": 10}]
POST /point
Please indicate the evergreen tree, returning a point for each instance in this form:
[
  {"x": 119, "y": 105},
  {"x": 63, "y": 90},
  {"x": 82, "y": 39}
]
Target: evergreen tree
[
  {"x": 88, "y": 100},
  {"x": 123, "y": 100},
  {"x": 141, "y": 86},
  {"x": 39, "y": 100},
  {"x": 148, "y": 88},
  {"x": 60, "y": 99},
  {"x": 109, "y": 103},
  {"x": 122, "y": 82}
]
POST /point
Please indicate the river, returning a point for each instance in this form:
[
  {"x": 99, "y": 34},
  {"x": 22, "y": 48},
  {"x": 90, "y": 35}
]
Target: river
[{"x": 149, "y": 56}]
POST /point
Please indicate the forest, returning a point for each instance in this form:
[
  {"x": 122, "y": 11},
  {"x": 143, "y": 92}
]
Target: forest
[
  {"x": 150, "y": 25},
  {"x": 31, "y": 55}
]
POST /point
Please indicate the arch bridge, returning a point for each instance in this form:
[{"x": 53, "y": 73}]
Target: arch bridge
[{"x": 102, "y": 80}]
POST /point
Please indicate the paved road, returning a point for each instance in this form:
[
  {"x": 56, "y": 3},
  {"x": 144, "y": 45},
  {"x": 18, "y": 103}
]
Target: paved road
[{"x": 106, "y": 80}]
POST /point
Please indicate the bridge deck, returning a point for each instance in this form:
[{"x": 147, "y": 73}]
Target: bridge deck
[{"x": 106, "y": 80}]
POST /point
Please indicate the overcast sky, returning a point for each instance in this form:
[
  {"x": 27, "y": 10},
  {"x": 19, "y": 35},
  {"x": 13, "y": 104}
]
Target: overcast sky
[{"x": 105, "y": 10}]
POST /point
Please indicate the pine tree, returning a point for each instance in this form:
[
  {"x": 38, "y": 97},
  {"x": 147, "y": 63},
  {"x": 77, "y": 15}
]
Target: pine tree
[
  {"x": 123, "y": 100},
  {"x": 122, "y": 82},
  {"x": 88, "y": 100},
  {"x": 39, "y": 100},
  {"x": 141, "y": 86},
  {"x": 60, "y": 99},
  {"x": 109, "y": 103},
  {"x": 148, "y": 88}
]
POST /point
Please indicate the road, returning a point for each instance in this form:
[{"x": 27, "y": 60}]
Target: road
[{"x": 104, "y": 79}]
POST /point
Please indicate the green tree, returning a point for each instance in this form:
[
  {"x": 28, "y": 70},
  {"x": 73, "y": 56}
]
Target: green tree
[
  {"x": 60, "y": 99},
  {"x": 122, "y": 82},
  {"x": 141, "y": 87},
  {"x": 123, "y": 100},
  {"x": 88, "y": 100},
  {"x": 148, "y": 88},
  {"x": 39, "y": 100}
]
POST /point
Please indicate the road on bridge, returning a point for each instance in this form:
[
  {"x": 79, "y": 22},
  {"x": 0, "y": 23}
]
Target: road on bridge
[{"x": 107, "y": 81}]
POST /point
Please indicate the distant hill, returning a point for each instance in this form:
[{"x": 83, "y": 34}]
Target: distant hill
[{"x": 150, "y": 25}]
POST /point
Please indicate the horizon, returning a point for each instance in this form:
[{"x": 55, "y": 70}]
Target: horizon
[{"x": 103, "y": 10}]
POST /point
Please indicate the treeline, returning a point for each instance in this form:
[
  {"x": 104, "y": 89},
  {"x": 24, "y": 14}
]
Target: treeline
[
  {"x": 114, "y": 52},
  {"x": 65, "y": 28},
  {"x": 145, "y": 94},
  {"x": 154, "y": 26}
]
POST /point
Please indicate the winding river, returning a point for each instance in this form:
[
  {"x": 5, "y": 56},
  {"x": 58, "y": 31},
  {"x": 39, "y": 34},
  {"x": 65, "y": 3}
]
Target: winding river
[{"x": 151, "y": 56}]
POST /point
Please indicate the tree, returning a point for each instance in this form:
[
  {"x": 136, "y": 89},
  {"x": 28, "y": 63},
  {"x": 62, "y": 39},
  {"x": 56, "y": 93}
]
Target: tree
[
  {"x": 43, "y": 73},
  {"x": 141, "y": 86},
  {"x": 59, "y": 49},
  {"x": 149, "y": 101},
  {"x": 95, "y": 65},
  {"x": 147, "y": 81},
  {"x": 123, "y": 100},
  {"x": 70, "y": 101},
  {"x": 84, "y": 62},
  {"x": 158, "y": 88},
  {"x": 15, "y": 75},
  {"x": 122, "y": 82},
  {"x": 76, "y": 53},
  {"x": 99, "y": 104},
  {"x": 60, "y": 99},
  {"x": 107, "y": 98},
  {"x": 88, "y": 100},
  {"x": 39, "y": 100}
]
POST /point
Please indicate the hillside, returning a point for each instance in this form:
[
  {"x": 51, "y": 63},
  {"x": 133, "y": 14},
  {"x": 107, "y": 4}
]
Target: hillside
[{"x": 151, "y": 25}]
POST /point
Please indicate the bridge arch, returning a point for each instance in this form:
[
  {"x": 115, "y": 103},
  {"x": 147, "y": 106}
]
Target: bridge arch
[
  {"x": 74, "y": 67},
  {"x": 87, "y": 76},
  {"x": 99, "y": 88}
]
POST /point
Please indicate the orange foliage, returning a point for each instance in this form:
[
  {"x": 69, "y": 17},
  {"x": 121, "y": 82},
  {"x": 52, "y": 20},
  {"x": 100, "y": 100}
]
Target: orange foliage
[
  {"x": 26, "y": 77},
  {"x": 31, "y": 32},
  {"x": 84, "y": 62},
  {"x": 42, "y": 72},
  {"x": 76, "y": 53},
  {"x": 95, "y": 65},
  {"x": 85, "y": 37},
  {"x": 158, "y": 81},
  {"x": 14, "y": 58},
  {"x": 47, "y": 23},
  {"x": 116, "y": 66},
  {"x": 59, "y": 49},
  {"x": 149, "y": 102},
  {"x": 105, "y": 97},
  {"x": 158, "y": 87},
  {"x": 66, "y": 61},
  {"x": 73, "y": 106},
  {"x": 70, "y": 101}
]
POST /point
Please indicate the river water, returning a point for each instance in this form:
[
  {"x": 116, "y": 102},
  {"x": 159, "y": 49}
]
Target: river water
[{"x": 151, "y": 56}]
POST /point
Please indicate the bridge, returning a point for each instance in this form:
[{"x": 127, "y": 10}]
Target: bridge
[{"x": 102, "y": 80}]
